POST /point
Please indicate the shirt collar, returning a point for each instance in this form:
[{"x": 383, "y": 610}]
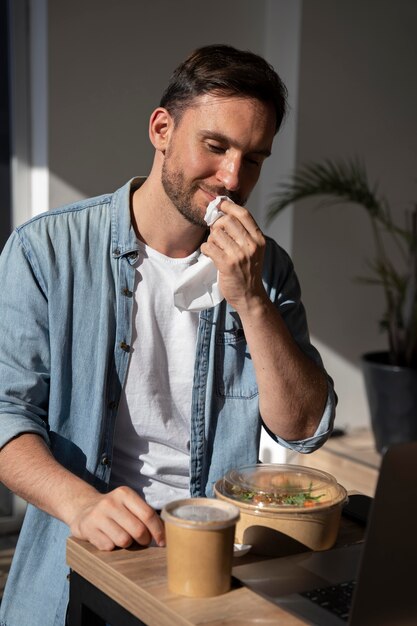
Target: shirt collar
[{"x": 124, "y": 240}]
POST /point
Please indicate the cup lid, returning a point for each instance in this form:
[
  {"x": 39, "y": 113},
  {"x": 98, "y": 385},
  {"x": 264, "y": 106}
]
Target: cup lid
[{"x": 202, "y": 513}]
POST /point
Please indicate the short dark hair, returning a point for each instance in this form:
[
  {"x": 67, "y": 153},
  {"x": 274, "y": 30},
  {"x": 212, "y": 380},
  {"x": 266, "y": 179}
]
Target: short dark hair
[{"x": 227, "y": 71}]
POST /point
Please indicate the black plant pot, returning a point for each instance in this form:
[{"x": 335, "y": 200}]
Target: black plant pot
[{"x": 392, "y": 398}]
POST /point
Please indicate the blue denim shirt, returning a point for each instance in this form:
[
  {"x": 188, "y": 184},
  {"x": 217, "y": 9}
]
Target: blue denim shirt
[{"x": 66, "y": 282}]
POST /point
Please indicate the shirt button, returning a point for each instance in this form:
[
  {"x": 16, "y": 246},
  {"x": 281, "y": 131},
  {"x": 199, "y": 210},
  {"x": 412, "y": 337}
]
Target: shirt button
[
  {"x": 105, "y": 459},
  {"x": 124, "y": 346},
  {"x": 112, "y": 404},
  {"x": 116, "y": 252},
  {"x": 126, "y": 292}
]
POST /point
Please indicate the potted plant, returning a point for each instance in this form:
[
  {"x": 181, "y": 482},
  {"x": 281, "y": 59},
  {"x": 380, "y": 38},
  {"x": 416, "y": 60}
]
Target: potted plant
[{"x": 391, "y": 375}]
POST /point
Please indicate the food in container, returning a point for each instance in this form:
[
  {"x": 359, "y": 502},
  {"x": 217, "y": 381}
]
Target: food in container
[{"x": 283, "y": 508}]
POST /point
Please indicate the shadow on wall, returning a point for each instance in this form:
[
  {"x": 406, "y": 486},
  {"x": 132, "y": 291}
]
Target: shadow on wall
[
  {"x": 357, "y": 98},
  {"x": 343, "y": 312},
  {"x": 123, "y": 58}
]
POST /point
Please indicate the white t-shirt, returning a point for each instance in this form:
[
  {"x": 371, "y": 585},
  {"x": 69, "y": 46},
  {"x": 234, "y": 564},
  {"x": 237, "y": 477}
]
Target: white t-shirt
[{"x": 151, "y": 450}]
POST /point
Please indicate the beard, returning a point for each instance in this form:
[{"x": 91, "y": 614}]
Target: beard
[{"x": 181, "y": 192}]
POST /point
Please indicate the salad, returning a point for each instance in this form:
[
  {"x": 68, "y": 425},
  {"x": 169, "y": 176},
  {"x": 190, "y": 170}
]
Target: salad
[{"x": 290, "y": 496}]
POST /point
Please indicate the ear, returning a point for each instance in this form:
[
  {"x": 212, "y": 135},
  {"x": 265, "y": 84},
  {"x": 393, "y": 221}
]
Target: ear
[{"x": 161, "y": 125}]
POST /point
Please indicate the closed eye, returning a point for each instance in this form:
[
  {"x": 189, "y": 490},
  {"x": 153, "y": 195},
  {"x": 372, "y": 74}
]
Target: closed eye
[
  {"x": 221, "y": 150},
  {"x": 215, "y": 148},
  {"x": 253, "y": 161}
]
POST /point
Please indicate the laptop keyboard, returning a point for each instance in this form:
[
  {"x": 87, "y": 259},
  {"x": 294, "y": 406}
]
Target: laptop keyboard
[{"x": 336, "y": 598}]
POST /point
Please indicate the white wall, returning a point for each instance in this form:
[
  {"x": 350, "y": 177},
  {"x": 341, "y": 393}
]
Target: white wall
[{"x": 357, "y": 96}]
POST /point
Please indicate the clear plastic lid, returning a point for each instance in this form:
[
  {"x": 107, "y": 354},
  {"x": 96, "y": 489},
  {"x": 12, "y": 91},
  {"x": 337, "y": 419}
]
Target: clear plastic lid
[
  {"x": 203, "y": 513},
  {"x": 277, "y": 487}
]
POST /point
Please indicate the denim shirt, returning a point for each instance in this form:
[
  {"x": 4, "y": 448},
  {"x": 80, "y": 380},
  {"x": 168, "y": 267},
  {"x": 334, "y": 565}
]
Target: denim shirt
[{"x": 66, "y": 283}]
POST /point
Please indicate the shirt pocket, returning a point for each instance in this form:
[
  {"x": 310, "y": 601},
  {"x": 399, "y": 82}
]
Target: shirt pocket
[{"x": 234, "y": 371}]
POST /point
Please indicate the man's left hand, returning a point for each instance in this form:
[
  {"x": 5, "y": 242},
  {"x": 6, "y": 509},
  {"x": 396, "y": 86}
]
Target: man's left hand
[{"x": 236, "y": 245}]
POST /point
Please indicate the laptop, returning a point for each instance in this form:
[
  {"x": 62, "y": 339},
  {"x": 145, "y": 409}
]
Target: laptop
[{"x": 380, "y": 573}]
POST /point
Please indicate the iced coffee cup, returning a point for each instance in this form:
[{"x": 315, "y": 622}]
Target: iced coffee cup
[{"x": 199, "y": 536}]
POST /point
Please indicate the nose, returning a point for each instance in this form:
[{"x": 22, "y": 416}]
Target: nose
[{"x": 229, "y": 172}]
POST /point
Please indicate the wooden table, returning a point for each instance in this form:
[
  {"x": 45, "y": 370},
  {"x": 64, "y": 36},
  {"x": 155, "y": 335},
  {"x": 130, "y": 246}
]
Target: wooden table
[{"x": 129, "y": 587}]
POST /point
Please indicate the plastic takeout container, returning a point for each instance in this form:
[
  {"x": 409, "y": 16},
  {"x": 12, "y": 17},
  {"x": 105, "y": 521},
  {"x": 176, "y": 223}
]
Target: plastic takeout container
[{"x": 283, "y": 505}]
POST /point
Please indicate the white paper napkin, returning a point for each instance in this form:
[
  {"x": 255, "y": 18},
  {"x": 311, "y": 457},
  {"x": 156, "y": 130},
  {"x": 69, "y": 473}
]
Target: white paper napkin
[{"x": 198, "y": 287}]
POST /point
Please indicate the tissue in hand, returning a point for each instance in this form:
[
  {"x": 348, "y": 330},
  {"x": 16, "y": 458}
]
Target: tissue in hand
[{"x": 198, "y": 288}]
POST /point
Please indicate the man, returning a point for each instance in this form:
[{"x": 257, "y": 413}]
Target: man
[{"x": 112, "y": 401}]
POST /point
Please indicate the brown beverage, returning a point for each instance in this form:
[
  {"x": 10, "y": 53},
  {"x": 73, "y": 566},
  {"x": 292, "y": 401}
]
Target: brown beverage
[{"x": 200, "y": 535}]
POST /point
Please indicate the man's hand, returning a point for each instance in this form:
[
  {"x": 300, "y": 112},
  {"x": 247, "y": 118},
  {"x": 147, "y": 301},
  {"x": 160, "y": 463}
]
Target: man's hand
[
  {"x": 117, "y": 519},
  {"x": 236, "y": 246},
  {"x": 292, "y": 388}
]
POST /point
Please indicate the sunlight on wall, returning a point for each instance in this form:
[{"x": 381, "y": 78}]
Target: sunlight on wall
[
  {"x": 60, "y": 192},
  {"x": 352, "y": 409},
  {"x": 271, "y": 452},
  {"x": 40, "y": 190}
]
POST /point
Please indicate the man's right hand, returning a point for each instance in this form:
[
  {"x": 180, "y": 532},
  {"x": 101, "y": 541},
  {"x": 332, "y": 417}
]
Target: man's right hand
[
  {"x": 114, "y": 519},
  {"x": 117, "y": 519}
]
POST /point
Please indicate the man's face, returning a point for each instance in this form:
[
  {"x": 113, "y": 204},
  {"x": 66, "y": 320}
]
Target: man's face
[{"x": 217, "y": 148}]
